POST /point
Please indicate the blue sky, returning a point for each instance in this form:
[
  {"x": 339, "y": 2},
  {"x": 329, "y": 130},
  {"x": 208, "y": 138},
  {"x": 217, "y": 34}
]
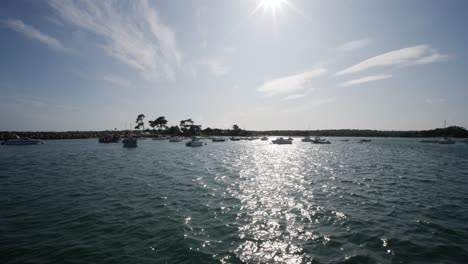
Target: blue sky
[{"x": 277, "y": 64}]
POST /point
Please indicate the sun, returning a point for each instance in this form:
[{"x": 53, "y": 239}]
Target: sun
[{"x": 271, "y": 6}]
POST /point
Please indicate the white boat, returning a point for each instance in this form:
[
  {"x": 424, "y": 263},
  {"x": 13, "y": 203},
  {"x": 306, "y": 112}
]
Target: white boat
[
  {"x": 264, "y": 138},
  {"x": 318, "y": 140},
  {"x": 175, "y": 139},
  {"x": 281, "y": 141},
  {"x": 446, "y": 140},
  {"x": 218, "y": 139},
  {"x": 195, "y": 142},
  {"x": 23, "y": 141}
]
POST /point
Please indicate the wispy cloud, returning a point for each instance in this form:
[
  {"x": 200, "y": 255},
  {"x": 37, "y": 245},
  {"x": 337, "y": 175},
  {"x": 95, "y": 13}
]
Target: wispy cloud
[
  {"x": 294, "y": 96},
  {"x": 216, "y": 66},
  {"x": 290, "y": 83},
  {"x": 309, "y": 105},
  {"x": 116, "y": 80},
  {"x": 355, "y": 44},
  {"x": 366, "y": 79},
  {"x": 131, "y": 32},
  {"x": 420, "y": 54},
  {"x": 430, "y": 101},
  {"x": 33, "y": 33}
]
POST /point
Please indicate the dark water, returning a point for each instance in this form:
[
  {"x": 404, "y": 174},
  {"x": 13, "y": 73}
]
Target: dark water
[{"x": 387, "y": 201}]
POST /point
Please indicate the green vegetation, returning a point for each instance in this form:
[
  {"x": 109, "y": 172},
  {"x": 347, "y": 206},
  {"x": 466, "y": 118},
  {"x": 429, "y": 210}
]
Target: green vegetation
[{"x": 188, "y": 127}]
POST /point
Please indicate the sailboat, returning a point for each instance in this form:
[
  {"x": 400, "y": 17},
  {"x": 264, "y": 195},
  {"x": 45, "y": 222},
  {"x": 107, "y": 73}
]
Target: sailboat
[{"x": 446, "y": 140}]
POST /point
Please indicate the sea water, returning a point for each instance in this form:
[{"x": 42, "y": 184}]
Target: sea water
[{"x": 386, "y": 201}]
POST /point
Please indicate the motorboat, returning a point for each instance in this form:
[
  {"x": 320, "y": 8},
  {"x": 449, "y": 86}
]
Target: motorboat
[
  {"x": 318, "y": 140},
  {"x": 364, "y": 140},
  {"x": 175, "y": 139},
  {"x": 290, "y": 138},
  {"x": 306, "y": 139},
  {"x": 109, "y": 139},
  {"x": 264, "y": 138},
  {"x": 195, "y": 142},
  {"x": 130, "y": 142},
  {"x": 235, "y": 139},
  {"x": 218, "y": 139},
  {"x": 446, "y": 140},
  {"x": 23, "y": 141},
  {"x": 281, "y": 141}
]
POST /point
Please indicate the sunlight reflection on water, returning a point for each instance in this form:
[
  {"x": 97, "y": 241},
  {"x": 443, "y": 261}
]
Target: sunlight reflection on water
[{"x": 277, "y": 203}]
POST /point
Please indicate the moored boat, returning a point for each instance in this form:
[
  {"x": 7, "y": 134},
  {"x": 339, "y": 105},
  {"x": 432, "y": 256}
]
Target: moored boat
[
  {"x": 23, "y": 141},
  {"x": 281, "y": 141},
  {"x": 306, "y": 139},
  {"x": 195, "y": 142},
  {"x": 264, "y": 138},
  {"x": 109, "y": 139},
  {"x": 175, "y": 139},
  {"x": 318, "y": 140},
  {"x": 218, "y": 139}
]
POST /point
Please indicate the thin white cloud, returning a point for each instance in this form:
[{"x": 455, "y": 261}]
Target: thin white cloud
[
  {"x": 355, "y": 44},
  {"x": 217, "y": 66},
  {"x": 292, "y": 83},
  {"x": 132, "y": 32},
  {"x": 420, "y": 54},
  {"x": 116, "y": 80},
  {"x": 294, "y": 96},
  {"x": 33, "y": 33},
  {"x": 366, "y": 79},
  {"x": 309, "y": 105}
]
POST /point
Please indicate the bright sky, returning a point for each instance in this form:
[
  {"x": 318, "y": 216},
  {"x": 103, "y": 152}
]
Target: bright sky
[{"x": 278, "y": 64}]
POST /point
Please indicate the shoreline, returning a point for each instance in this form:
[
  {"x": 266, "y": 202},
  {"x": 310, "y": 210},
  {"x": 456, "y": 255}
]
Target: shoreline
[{"x": 454, "y": 132}]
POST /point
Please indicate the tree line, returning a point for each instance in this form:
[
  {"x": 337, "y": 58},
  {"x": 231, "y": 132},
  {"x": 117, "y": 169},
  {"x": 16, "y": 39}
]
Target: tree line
[{"x": 188, "y": 127}]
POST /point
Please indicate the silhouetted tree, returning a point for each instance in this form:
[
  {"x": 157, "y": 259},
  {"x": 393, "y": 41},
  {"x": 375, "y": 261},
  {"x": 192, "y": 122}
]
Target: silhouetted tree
[{"x": 139, "y": 121}]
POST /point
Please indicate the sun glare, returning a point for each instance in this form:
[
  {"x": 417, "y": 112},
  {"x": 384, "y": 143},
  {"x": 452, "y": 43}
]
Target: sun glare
[{"x": 272, "y": 5}]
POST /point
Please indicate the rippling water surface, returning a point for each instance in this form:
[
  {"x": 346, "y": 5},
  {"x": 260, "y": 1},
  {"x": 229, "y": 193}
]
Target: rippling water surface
[{"x": 387, "y": 201}]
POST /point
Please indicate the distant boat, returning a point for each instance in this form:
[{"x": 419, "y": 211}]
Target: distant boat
[
  {"x": 195, "y": 142},
  {"x": 235, "y": 139},
  {"x": 23, "y": 141},
  {"x": 306, "y": 139},
  {"x": 281, "y": 141},
  {"x": 318, "y": 140},
  {"x": 218, "y": 139},
  {"x": 130, "y": 141},
  {"x": 264, "y": 138},
  {"x": 344, "y": 140},
  {"x": 175, "y": 139},
  {"x": 158, "y": 137},
  {"x": 109, "y": 139},
  {"x": 446, "y": 139},
  {"x": 364, "y": 140}
]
